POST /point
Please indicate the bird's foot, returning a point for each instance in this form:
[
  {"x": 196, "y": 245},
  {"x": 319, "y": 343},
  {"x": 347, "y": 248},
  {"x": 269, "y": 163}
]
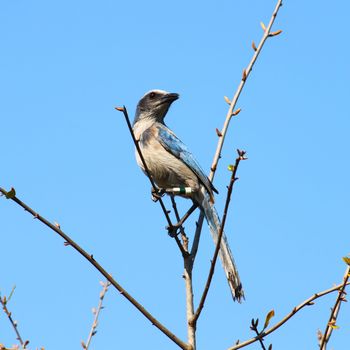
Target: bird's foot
[
  {"x": 157, "y": 194},
  {"x": 174, "y": 230}
]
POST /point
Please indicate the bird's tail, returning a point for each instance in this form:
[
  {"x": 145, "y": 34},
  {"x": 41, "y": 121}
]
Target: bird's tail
[{"x": 225, "y": 253}]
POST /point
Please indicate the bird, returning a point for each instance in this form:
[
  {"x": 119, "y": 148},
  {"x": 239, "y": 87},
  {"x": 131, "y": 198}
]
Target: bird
[{"x": 172, "y": 165}]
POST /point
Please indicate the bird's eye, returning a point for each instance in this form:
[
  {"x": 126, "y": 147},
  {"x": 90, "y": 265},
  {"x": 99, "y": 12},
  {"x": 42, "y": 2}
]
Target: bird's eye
[{"x": 152, "y": 95}]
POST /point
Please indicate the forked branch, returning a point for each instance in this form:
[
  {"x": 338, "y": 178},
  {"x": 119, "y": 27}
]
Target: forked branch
[
  {"x": 307, "y": 302},
  {"x": 335, "y": 310},
  {"x": 90, "y": 258}
]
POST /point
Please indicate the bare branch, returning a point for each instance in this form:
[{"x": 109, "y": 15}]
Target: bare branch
[
  {"x": 92, "y": 261},
  {"x": 96, "y": 315},
  {"x": 246, "y": 73},
  {"x": 218, "y": 243},
  {"x": 331, "y": 324},
  {"x": 231, "y": 111},
  {"x": 155, "y": 188},
  {"x": 3, "y": 302},
  {"x": 307, "y": 302},
  {"x": 191, "y": 327}
]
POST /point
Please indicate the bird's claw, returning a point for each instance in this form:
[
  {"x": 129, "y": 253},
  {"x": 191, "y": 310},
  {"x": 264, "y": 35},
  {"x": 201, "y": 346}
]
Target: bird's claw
[
  {"x": 173, "y": 230},
  {"x": 157, "y": 194}
]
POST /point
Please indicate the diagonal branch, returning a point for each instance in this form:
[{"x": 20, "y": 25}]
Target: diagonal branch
[
  {"x": 93, "y": 262},
  {"x": 230, "y": 112},
  {"x": 307, "y": 302},
  {"x": 241, "y": 156},
  {"x": 136, "y": 143},
  {"x": 245, "y": 76},
  {"x": 335, "y": 310}
]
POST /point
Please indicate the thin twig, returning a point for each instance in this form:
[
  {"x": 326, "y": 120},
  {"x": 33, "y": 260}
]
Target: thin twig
[
  {"x": 136, "y": 143},
  {"x": 245, "y": 76},
  {"x": 230, "y": 112},
  {"x": 335, "y": 310},
  {"x": 91, "y": 259},
  {"x": 197, "y": 237},
  {"x": 307, "y": 302},
  {"x": 96, "y": 315},
  {"x": 184, "y": 246},
  {"x": 218, "y": 243},
  {"x": 3, "y": 302},
  {"x": 254, "y": 328}
]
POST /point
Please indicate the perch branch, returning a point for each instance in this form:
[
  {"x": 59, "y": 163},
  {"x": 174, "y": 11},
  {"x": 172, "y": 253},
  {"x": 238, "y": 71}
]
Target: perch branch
[
  {"x": 335, "y": 310},
  {"x": 241, "y": 156},
  {"x": 188, "y": 265},
  {"x": 92, "y": 261},
  {"x": 136, "y": 143},
  {"x": 184, "y": 237},
  {"x": 307, "y": 302}
]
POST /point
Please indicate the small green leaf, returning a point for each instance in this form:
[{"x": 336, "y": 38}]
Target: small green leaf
[
  {"x": 268, "y": 318},
  {"x": 231, "y": 167},
  {"x": 11, "y": 194},
  {"x": 333, "y": 325}
]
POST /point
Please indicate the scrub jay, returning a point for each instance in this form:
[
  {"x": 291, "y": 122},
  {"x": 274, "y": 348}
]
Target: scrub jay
[{"x": 171, "y": 165}]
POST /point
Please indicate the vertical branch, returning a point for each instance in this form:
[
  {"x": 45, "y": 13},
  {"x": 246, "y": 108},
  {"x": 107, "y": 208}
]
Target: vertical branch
[
  {"x": 191, "y": 327},
  {"x": 335, "y": 310},
  {"x": 96, "y": 313},
  {"x": 188, "y": 268}
]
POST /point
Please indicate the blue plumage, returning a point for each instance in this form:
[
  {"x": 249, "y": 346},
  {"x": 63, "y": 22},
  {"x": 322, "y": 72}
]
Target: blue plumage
[{"x": 171, "y": 164}]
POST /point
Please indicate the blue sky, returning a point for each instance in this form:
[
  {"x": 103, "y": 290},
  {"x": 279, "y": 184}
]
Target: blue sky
[{"x": 65, "y": 66}]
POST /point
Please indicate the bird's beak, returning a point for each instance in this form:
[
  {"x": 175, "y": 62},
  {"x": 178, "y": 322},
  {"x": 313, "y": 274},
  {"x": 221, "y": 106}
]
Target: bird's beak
[{"x": 170, "y": 97}]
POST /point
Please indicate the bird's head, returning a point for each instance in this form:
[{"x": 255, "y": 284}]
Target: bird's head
[{"x": 154, "y": 105}]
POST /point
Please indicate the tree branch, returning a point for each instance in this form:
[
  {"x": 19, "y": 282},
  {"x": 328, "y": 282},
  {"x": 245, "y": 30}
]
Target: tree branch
[
  {"x": 96, "y": 313},
  {"x": 3, "y": 302},
  {"x": 136, "y": 143},
  {"x": 335, "y": 310},
  {"x": 92, "y": 261},
  {"x": 245, "y": 76},
  {"x": 307, "y": 302},
  {"x": 233, "y": 102},
  {"x": 241, "y": 156}
]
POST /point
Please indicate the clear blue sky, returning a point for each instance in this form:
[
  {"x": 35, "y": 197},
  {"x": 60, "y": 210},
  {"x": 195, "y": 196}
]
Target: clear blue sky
[{"x": 64, "y": 67}]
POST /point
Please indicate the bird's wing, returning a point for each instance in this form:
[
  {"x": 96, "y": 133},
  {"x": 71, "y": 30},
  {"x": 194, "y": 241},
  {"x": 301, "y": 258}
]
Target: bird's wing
[{"x": 178, "y": 149}]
